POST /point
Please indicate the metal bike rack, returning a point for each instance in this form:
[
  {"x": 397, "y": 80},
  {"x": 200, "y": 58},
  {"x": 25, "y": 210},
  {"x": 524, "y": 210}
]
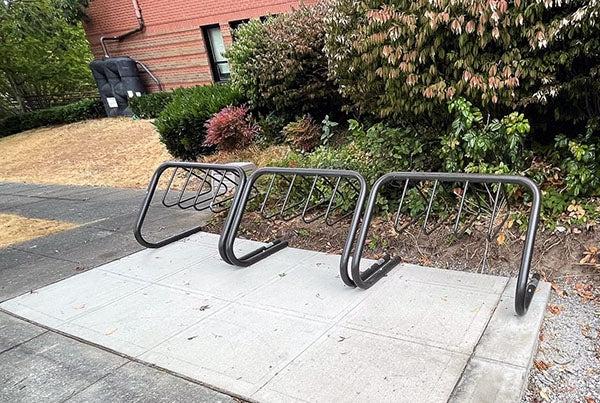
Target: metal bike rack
[
  {"x": 325, "y": 193},
  {"x": 525, "y": 286},
  {"x": 198, "y": 186}
]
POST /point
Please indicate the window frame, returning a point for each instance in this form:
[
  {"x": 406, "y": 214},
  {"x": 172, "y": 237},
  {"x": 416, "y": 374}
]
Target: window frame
[{"x": 214, "y": 64}]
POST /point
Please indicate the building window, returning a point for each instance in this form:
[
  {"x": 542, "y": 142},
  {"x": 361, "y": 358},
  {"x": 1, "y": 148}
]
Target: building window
[{"x": 215, "y": 47}]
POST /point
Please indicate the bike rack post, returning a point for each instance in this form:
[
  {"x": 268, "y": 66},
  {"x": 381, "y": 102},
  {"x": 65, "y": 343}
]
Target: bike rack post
[
  {"x": 333, "y": 179},
  {"x": 526, "y": 286},
  {"x": 217, "y": 188}
]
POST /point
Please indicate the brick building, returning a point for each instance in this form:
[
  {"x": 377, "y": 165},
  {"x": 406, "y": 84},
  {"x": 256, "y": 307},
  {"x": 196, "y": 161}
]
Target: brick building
[{"x": 181, "y": 41}]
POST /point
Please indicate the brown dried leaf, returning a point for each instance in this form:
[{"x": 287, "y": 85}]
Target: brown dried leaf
[
  {"x": 541, "y": 365},
  {"x": 554, "y": 309}
]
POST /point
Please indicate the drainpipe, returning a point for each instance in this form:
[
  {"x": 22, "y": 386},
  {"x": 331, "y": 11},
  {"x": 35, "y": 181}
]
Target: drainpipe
[{"x": 119, "y": 38}]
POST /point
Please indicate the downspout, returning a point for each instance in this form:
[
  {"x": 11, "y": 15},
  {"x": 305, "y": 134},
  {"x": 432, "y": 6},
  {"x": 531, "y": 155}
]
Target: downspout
[{"x": 119, "y": 38}]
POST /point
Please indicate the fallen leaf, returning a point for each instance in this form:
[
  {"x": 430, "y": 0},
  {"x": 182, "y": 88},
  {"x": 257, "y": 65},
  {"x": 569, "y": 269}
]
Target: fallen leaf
[
  {"x": 541, "y": 365},
  {"x": 584, "y": 291},
  {"x": 589, "y": 399},
  {"x": 501, "y": 238},
  {"x": 554, "y": 309}
]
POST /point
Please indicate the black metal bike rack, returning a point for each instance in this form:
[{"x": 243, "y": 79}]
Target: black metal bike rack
[
  {"x": 413, "y": 180},
  {"x": 198, "y": 186},
  {"x": 325, "y": 194}
]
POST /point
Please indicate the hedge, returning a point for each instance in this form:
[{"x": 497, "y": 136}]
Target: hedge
[
  {"x": 75, "y": 112},
  {"x": 181, "y": 123},
  {"x": 149, "y": 106}
]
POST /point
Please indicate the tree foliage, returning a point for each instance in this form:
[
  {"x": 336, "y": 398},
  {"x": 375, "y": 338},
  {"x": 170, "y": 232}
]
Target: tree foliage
[
  {"x": 43, "y": 51},
  {"x": 280, "y": 64},
  {"x": 405, "y": 59}
]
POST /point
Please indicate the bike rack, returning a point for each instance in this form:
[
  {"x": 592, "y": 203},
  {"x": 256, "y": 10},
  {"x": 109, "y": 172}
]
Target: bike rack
[
  {"x": 525, "y": 286},
  {"x": 214, "y": 187},
  {"x": 326, "y": 192}
]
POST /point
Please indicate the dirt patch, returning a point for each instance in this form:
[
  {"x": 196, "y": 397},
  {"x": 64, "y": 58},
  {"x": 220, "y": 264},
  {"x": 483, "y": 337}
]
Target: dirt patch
[
  {"x": 117, "y": 152},
  {"x": 555, "y": 254},
  {"x": 15, "y": 229}
]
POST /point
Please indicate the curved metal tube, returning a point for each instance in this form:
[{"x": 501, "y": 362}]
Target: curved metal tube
[
  {"x": 224, "y": 169},
  {"x": 228, "y": 240},
  {"x": 525, "y": 286}
]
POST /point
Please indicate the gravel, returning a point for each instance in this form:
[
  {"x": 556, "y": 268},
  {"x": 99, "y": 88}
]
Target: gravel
[{"x": 567, "y": 365}]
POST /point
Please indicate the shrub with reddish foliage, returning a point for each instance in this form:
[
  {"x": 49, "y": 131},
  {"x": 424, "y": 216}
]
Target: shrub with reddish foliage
[
  {"x": 304, "y": 134},
  {"x": 231, "y": 128}
]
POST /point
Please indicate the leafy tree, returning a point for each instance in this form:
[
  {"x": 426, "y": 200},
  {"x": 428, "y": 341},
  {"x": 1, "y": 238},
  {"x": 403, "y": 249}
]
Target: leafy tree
[
  {"x": 405, "y": 59},
  {"x": 43, "y": 51}
]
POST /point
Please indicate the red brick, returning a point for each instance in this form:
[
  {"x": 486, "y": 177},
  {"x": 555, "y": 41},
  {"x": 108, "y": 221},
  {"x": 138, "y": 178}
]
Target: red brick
[{"x": 172, "y": 45}]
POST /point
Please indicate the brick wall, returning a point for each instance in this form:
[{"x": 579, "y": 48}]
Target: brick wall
[{"x": 172, "y": 45}]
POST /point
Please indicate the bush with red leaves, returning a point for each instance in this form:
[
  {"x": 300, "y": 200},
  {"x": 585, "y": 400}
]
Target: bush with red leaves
[{"x": 231, "y": 128}]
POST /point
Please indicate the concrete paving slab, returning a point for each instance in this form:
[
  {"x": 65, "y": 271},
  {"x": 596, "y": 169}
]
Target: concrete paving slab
[
  {"x": 129, "y": 324},
  {"x": 51, "y": 368},
  {"x": 59, "y": 302},
  {"x": 489, "y": 382},
  {"x": 349, "y": 366},
  {"x": 215, "y": 277},
  {"x": 153, "y": 264},
  {"x": 509, "y": 338},
  {"x": 285, "y": 328},
  {"x": 14, "y": 331},
  {"x": 439, "y": 315},
  {"x": 253, "y": 346},
  {"x": 313, "y": 290},
  {"x": 135, "y": 382}
]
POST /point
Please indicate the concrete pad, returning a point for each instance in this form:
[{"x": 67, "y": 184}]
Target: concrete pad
[
  {"x": 59, "y": 302},
  {"x": 129, "y": 324},
  {"x": 313, "y": 289},
  {"x": 348, "y": 366},
  {"x": 51, "y": 368},
  {"x": 444, "y": 316},
  {"x": 14, "y": 331},
  {"x": 510, "y": 338},
  {"x": 253, "y": 346},
  {"x": 287, "y": 328},
  {"x": 489, "y": 382},
  {"x": 154, "y": 264},
  {"x": 135, "y": 382}
]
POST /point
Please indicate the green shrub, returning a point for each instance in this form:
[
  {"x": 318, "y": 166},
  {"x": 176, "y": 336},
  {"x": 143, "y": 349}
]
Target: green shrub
[
  {"x": 271, "y": 129},
  {"x": 75, "y": 112},
  {"x": 304, "y": 134},
  {"x": 149, "y": 106},
  {"x": 406, "y": 59},
  {"x": 280, "y": 65},
  {"x": 475, "y": 144},
  {"x": 580, "y": 161},
  {"x": 181, "y": 123}
]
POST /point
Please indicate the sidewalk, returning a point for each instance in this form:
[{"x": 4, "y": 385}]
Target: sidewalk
[{"x": 37, "y": 364}]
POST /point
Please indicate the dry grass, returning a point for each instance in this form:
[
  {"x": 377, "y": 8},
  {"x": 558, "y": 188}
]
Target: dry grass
[
  {"x": 16, "y": 229},
  {"x": 105, "y": 152}
]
